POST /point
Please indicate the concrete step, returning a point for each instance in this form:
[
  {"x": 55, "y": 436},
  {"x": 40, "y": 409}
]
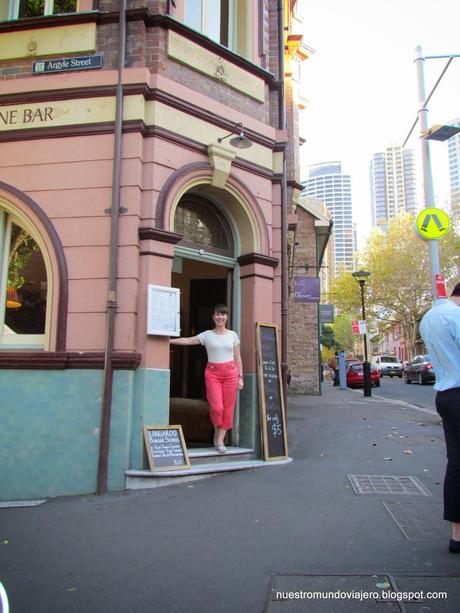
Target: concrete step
[
  {"x": 145, "y": 479},
  {"x": 207, "y": 455}
]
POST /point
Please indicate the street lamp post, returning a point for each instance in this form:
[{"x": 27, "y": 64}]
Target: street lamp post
[{"x": 361, "y": 277}]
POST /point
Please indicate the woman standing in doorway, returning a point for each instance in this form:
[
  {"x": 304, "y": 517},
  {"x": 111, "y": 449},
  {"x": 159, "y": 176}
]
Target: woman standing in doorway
[{"x": 224, "y": 371}]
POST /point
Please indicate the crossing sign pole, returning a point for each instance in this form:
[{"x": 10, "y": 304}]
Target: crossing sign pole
[{"x": 426, "y": 165}]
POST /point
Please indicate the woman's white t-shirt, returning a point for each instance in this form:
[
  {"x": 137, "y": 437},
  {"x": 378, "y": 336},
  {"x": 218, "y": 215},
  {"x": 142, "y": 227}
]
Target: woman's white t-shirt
[{"x": 219, "y": 346}]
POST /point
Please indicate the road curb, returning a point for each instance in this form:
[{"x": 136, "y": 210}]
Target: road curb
[{"x": 402, "y": 403}]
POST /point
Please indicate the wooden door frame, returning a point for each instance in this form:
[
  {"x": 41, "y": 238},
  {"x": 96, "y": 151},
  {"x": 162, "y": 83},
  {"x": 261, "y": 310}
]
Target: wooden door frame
[{"x": 234, "y": 270}]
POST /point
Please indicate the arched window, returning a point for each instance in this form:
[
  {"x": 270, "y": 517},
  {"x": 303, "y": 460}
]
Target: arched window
[
  {"x": 202, "y": 225},
  {"x": 23, "y": 285}
]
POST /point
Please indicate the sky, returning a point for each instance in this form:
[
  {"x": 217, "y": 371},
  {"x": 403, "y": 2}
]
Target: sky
[{"x": 361, "y": 85}]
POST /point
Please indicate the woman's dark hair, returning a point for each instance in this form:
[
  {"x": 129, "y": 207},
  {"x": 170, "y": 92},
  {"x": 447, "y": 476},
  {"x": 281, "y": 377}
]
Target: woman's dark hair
[
  {"x": 456, "y": 290},
  {"x": 221, "y": 308}
]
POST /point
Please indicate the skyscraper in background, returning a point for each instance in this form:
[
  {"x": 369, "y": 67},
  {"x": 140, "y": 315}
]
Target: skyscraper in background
[
  {"x": 454, "y": 171},
  {"x": 327, "y": 183},
  {"x": 393, "y": 184}
]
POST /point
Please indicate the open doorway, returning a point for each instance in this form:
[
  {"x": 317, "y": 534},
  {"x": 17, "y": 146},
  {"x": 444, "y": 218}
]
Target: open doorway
[{"x": 202, "y": 285}]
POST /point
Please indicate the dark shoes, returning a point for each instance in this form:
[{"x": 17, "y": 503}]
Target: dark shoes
[{"x": 454, "y": 546}]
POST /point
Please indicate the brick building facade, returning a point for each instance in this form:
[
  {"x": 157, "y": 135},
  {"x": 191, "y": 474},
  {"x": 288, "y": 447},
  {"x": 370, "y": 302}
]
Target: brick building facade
[{"x": 113, "y": 179}]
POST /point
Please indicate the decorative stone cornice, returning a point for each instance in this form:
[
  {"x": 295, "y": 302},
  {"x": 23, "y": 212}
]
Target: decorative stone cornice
[
  {"x": 162, "y": 236},
  {"x": 258, "y": 258}
]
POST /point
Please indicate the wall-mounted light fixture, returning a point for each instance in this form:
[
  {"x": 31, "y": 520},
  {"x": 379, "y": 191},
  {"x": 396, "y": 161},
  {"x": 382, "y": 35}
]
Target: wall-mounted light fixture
[{"x": 240, "y": 141}]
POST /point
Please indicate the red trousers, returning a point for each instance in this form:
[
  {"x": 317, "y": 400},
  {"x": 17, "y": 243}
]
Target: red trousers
[{"x": 221, "y": 383}]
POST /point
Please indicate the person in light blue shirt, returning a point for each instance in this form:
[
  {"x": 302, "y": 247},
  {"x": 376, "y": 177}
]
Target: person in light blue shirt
[{"x": 440, "y": 330}]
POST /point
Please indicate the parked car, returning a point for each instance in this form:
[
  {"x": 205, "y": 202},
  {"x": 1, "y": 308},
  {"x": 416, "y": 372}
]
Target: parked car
[
  {"x": 420, "y": 369},
  {"x": 355, "y": 375},
  {"x": 388, "y": 365}
]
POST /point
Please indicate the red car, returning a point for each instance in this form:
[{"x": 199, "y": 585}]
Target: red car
[{"x": 355, "y": 375}]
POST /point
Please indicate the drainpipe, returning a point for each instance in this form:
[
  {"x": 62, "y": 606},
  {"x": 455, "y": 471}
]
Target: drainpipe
[
  {"x": 284, "y": 215},
  {"x": 112, "y": 292}
]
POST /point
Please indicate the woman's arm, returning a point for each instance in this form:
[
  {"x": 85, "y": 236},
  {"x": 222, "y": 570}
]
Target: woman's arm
[
  {"x": 185, "y": 340},
  {"x": 239, "y": 363}
]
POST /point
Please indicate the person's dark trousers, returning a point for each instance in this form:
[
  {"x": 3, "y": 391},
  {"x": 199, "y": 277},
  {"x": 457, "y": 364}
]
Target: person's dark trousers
[
  {"x": 448, "y": 407},
  {"x": 336, "y": 377}
]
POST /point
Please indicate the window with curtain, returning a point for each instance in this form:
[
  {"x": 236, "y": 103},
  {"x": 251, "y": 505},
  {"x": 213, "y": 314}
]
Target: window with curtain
[
  {"x": 23, "y": 286},
  {"x": 20, "y": 9},
  {"x": 203, "y": 226}
]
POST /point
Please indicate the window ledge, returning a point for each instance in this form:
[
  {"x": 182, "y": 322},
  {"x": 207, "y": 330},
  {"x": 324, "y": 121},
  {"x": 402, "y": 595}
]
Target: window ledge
[{"x": 34, "y": 360}]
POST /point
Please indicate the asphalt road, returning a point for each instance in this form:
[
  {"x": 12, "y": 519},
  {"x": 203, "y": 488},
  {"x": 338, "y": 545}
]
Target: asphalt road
[
  {"x": 396, "y": 389},
  {"x": 213, "y": 545}
]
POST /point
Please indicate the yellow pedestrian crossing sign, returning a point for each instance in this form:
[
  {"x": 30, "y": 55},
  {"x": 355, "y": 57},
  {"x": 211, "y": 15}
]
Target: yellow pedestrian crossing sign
[{"x": 432, "y": 223}]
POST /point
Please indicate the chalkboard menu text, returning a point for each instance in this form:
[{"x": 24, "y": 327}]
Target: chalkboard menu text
[
  {"x": 166, "y": 448},
  {"x": 271, "y": 400}
]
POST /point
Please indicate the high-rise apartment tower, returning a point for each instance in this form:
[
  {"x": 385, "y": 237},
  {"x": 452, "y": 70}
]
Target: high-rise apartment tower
[
  {"x": 393, "y": 184},
  {"x": 454, "y": 171},
  {"x": 327, "y": 183}
]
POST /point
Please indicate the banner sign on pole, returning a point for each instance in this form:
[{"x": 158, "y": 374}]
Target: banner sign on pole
[
  {"x": 358, "y": 326},
  {"x": 440, "y": 286},
  {"x": 306, "y": 289},
  {"x": 326, "y": 313}
]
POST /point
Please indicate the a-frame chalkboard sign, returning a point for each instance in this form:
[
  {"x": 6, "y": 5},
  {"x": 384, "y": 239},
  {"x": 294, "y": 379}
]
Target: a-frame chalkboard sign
[
  {"x": 271, "y": 399},
  {"x": 166, "y": 448}
]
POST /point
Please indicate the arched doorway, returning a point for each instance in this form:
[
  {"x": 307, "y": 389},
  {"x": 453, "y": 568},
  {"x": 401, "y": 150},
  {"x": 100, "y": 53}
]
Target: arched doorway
[
  {"x": 203, "y": 270},
  {"x": 251, "y": 282}
]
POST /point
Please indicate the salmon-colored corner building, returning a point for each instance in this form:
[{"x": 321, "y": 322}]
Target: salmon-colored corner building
[{"x": 119, "y": 171}]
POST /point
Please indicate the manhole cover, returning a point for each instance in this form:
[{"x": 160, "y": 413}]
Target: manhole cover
[
  {"x": 418, "y": 522},
  {"x": 387, "y": 484},
  {"x": 367, "y": 593}
]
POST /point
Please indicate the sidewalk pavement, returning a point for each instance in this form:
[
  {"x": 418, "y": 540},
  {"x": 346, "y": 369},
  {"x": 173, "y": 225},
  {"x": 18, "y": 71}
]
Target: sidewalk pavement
[{"x": 212, "y": 545}]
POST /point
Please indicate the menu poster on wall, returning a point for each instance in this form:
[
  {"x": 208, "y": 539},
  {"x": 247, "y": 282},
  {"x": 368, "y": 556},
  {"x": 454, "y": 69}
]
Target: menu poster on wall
[{"x": 163, "y": 310}]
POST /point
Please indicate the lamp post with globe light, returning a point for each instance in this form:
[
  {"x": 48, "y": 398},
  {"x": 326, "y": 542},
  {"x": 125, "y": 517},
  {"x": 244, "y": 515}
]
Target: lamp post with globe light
[{"x": 361, "y": 277}]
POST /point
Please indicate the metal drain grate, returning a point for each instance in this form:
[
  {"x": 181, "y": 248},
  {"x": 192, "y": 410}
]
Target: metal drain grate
[
  {"x": 387, "y": 484},
  {"x": 418, "y": 522}
]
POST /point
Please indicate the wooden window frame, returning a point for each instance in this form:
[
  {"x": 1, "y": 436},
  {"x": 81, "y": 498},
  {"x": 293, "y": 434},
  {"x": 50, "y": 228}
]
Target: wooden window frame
[
  {"x": 48, "y": 9},
  {"x": 38, "y": 342}
]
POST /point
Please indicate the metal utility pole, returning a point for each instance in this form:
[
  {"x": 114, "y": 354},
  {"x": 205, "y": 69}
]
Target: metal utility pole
[{"x": 426, "y": 164}]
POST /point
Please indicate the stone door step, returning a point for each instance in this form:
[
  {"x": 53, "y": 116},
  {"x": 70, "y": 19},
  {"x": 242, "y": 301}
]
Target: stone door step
[
  {"x": 145, "y": 479},
  {"x": 205, "y": 455}
]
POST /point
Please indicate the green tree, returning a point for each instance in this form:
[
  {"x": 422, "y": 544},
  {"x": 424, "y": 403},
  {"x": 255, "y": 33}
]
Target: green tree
[
  {"x": 343, "y": 333},
  {"x": 398, "y": 291},
  {"x": 327, "y": 336}
]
